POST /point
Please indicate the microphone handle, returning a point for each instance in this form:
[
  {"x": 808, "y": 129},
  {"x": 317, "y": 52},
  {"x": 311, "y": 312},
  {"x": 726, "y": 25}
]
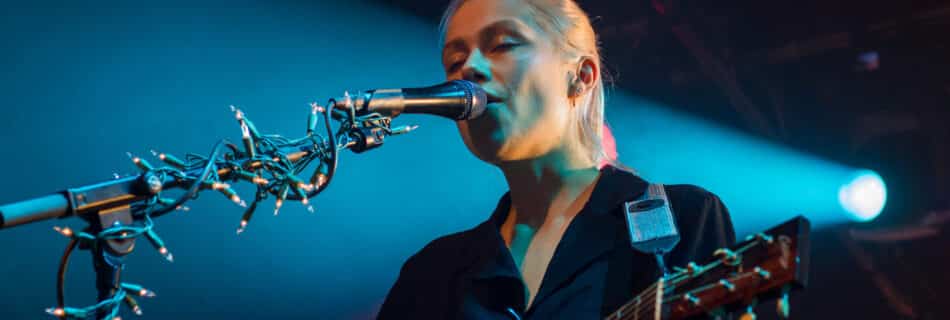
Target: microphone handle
[{"x": 456, "y": 100}]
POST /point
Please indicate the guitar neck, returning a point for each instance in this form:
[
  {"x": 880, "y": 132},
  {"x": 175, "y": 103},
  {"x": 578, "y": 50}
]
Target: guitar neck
[
  {"x": 765, "y": 266},
  {"x": 648, "y": 304}
]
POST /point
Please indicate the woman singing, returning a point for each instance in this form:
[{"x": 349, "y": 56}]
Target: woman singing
[{"x": 557, "y": 244}]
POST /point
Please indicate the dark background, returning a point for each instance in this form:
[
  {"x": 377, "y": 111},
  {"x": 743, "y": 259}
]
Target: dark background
[{"x": 82, "y": 83}]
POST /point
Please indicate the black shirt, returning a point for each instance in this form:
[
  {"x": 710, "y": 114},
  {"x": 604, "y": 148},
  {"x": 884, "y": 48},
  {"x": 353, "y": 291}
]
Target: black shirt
[{"x": 594, "y": 270}]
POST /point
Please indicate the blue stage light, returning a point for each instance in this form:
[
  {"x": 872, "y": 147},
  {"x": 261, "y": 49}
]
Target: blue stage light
[
  {"x": 864, "y": 196},
  {"x": 761, "y": 182}
]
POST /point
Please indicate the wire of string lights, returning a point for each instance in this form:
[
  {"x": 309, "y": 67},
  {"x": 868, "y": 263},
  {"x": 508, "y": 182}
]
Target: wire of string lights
[{"x": 272, "y": 163}]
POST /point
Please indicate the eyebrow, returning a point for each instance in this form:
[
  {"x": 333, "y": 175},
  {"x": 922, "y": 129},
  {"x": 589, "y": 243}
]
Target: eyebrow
[{"x": 506, "y": 25}]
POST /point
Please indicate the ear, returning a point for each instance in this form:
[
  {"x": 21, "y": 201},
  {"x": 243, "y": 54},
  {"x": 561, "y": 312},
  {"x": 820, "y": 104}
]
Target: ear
[{"x": 585, "y": 77}]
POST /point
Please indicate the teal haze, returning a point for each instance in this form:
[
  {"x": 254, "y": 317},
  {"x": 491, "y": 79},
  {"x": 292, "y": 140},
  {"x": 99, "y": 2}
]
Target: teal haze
[{"x": 82, "y": 85}]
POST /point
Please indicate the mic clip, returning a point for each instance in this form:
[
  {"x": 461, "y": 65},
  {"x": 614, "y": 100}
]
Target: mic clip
[{"x": 370, "y": 134}]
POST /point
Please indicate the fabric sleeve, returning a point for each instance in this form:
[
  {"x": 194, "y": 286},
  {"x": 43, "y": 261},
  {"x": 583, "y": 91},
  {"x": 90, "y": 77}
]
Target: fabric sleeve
[
  {"x": 705, "y": 225},
  {"x": 400, "y": 302}
]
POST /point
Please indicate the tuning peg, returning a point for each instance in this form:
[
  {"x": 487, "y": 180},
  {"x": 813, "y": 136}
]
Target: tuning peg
[
  {"x": 693, "y": 300},
  {"x": 765, "y": 274},
  {"x": 761, "y": 237},
  {"x": 749, "y": 314},
  {"x": 693, "y": 268},
  {"x": 727, "y": 256},
  {"x": 781, "y": 305},
  {"x": 728, "y": 285}
]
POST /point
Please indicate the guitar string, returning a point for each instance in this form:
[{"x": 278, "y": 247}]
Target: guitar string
[
  {"x": 649, "y": 309},
  {"x": 637, "y": 309},
  {"x": 626, "y": 308},
  {"x": 641, "y": 310}
]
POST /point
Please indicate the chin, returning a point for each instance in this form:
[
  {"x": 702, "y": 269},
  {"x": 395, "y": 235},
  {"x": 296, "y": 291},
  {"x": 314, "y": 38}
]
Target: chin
[
  {"x": 497, "y": 151},
  {"x": 485, "y": 149}
]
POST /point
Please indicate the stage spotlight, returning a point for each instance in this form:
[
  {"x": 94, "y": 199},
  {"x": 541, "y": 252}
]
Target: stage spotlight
[{"x": 864, "y": 196}]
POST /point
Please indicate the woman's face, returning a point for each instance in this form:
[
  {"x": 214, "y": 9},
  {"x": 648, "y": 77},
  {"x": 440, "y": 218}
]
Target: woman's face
[{"x": 496, "y": 44}]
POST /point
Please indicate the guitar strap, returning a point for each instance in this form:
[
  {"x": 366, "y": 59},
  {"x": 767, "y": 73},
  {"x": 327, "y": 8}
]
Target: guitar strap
[
  {"x": 651, "y": 231},
  {"x": 650, "y": 224}
]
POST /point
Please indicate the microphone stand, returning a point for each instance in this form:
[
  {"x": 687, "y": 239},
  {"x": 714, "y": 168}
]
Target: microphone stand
[{"x": 119, "y": 211}]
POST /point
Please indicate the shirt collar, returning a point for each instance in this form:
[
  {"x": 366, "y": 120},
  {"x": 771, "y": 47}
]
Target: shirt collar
[{"x": 614, "y": 187}]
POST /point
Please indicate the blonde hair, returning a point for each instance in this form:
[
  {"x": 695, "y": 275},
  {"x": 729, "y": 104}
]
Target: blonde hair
[{"x": 571, "y": 32}]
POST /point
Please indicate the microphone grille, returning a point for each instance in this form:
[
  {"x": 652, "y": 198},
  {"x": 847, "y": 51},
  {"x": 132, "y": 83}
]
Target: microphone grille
[{"x": 475, "y": 99}]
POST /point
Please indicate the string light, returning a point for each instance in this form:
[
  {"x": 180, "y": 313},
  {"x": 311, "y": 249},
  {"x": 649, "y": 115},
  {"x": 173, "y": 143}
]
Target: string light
[
  {"x": 170, "y": 160},
  {"x": 282, "y": 195},
  {"x": 300, "y": 193},
  {"x": 248, "y": 214},
  {"x": 242, "y": 227},
  {"x": 312, "y": 120},
  {"x": 138, "y": 290},
  {"x": 251, "y": 177},
  {"x": 248, "y": 166},
  {"x": 404, "y": 129},
  {"x": 159, "y": 245},
  {"x": 168, "y": 202},
  {"x": 318, "y": 179},
  {"x": 248, "y": 142},
  {"x": 226, "y": 190},
  {"x": 58, "y": 312},
  {"x": 64, "y": 231},
  {"x": 129, "y": 301},
  {"x": 238, "y": 114},
  {"x": 139, "y": 162},
  {"x": 242, "y": 118},
  {"x": 217, "y": 185}
]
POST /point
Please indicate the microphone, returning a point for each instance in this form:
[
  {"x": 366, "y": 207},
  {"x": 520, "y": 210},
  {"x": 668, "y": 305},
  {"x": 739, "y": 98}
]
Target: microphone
[{"x": 456, "y": 100}]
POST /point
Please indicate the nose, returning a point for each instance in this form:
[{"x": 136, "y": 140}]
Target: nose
[{"x": 477, "y": 68}]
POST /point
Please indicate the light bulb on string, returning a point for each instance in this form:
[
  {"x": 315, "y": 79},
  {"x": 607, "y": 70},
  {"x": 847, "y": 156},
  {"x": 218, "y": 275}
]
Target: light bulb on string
[
  {"x": 139, "y": 162},
  {"x": 56, "y": 312},
  {"x": 65, "y": 231}
]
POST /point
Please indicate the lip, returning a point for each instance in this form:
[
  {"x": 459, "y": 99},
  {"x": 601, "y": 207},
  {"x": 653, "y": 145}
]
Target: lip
[{"x": 493, "y": 98}]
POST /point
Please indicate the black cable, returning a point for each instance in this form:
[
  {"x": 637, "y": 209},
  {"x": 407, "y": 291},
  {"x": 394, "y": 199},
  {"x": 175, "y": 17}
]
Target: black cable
[
  {"x": 334, "y": 152},
  {"x": 61, "y": 275}
]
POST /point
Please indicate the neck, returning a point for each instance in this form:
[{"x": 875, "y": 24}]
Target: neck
[{"x": 546, "y": 186}]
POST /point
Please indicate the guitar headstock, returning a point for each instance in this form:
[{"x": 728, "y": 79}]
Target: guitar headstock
[{"x": 765, "y": 266}]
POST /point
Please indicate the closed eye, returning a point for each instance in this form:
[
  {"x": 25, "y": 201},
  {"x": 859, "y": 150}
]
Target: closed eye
[
  {"x": 504, "y": 46},
  {"x": 452, "y": 67}
]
